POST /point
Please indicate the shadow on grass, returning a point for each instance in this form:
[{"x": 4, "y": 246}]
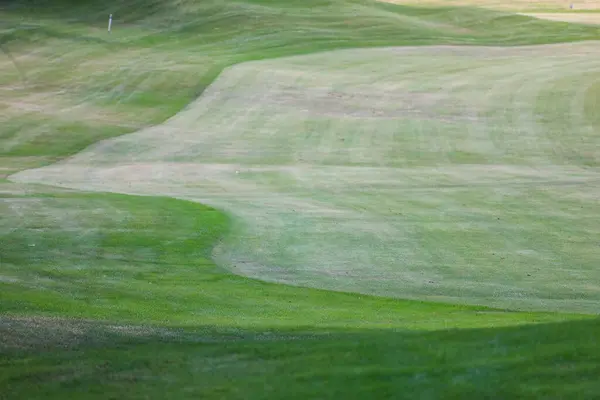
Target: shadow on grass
[
  {"x": 89, "y": 10},
  {"x": 556, "y": 360}
]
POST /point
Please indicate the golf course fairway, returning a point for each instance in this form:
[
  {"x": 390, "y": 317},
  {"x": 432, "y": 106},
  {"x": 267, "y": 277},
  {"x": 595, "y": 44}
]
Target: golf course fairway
[{"x": 265, "y": 199}]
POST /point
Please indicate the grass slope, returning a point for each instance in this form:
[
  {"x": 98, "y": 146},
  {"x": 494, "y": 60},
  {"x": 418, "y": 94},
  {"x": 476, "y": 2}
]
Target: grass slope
[
  {"x": 74, "y": 84},
  {"x": 148, "y": 260},
  {"x": 472, "y": 179},
  {"x": 548, "y": 361},
  {"x": 178, "y": 326},
  {"x": 172, "y": 323}
]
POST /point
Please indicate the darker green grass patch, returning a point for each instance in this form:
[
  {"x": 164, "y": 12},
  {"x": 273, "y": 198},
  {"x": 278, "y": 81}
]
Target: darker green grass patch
[{"x": 208, "y": 362}]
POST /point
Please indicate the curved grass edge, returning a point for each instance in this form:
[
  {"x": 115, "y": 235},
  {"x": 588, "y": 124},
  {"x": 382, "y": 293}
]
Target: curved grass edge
[
  {"x": 150, "y": 261},
  {"x": 208, "y": 325}
]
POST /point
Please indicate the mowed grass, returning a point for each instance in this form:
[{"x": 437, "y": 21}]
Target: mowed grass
[
  {"x": 548, "y": 361},
  {"x": 117, "y": 296},
  {"x": 66, "y": 83},
  {"x": 109, "y": 295},
  {"x": 122, "y": 258},
  {"x": 472, "y": 179}
]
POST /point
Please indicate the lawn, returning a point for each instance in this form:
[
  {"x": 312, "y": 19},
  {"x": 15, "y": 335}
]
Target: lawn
[
  {"x": 469, "y": 180},
  {"x": 105, "y": 296},
  {"x": 464, "y": 175}
]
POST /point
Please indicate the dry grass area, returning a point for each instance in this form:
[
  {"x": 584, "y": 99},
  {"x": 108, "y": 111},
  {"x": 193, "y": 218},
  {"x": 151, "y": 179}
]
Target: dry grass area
[
  {"x": 52, "y": 103},
  {"x": 469, "y": 179},
  {"x": 508, "y": 5},
  {"x": 49, "y": 83},
  {"x": 580, "y": 18}
]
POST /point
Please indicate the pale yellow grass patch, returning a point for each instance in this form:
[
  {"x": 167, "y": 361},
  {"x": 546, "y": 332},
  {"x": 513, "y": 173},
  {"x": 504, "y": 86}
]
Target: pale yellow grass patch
[
  {"x": 85, "y": 84},
  {"x": 580, "y": 18},
  {"x": 68, "y": 90},
  {"x": 59, "y": 107},
  {"x": 27, "y": 93},
  {"x": 508, "y": 5}
]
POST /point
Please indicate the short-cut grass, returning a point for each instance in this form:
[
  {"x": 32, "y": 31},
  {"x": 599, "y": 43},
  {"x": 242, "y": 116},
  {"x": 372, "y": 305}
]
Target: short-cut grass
[
  {"x": 110, "y": 295},
  {"x": 67, "y": 83},
  {"x": 115, "y": 296},
  {"x": 472, "y": 179}
]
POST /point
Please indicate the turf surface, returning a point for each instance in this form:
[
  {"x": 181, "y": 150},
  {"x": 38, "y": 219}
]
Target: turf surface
[
  {"x": 472, "y": 179},
  {"x": 117, "y": 296},
  {"x": 107, "y": 296}
]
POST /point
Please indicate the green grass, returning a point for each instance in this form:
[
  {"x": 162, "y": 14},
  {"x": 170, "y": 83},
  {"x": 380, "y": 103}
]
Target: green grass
[
  {"x": 113, "y": 257},
  {"x": 469, "y": 180},
  {"x": 170, "y": 321},
  {"x": 111, "y": 296},
  {"x": 549, "y": 361},
  {"x": 161, "y": 55}
]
